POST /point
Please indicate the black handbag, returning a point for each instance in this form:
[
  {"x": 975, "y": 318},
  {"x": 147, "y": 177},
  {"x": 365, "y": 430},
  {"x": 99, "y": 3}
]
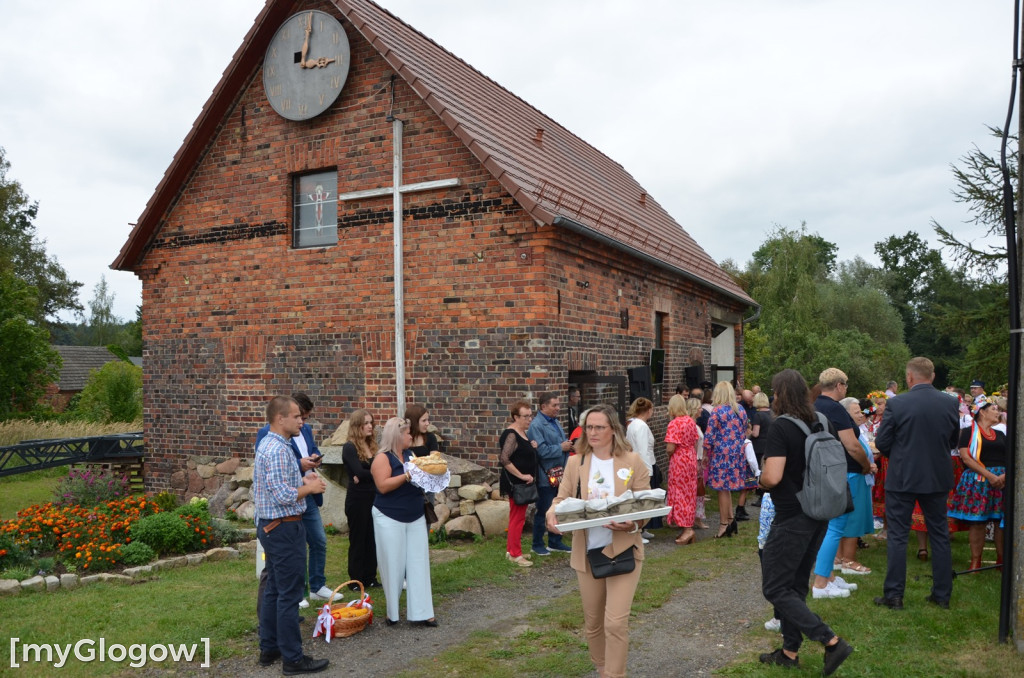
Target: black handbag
[
  {"x": 524, "y": 493},
  {"x": 429, "y": 513},
  {"x": 602, "y": 566}
]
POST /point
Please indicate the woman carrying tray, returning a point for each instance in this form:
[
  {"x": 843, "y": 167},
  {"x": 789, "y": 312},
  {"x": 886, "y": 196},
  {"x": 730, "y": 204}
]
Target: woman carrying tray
[{"x": 604, "y": 467}]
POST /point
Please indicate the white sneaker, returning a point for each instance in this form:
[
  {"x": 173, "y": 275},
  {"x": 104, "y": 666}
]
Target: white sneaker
[
  {"x": 773, "y": 625},
  {"x": 323, "y": 594},
  {"x": 646, "y": 541},
  {"x": 843, "y": 584},
  {"x": 303, "y": 604},
  {"x": 647, "y": 535},
  {"x": 830, "y": 590}
]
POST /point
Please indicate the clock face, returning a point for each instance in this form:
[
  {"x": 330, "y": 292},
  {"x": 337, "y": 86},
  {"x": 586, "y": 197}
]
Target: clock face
[{"x": 306, "y": 65}]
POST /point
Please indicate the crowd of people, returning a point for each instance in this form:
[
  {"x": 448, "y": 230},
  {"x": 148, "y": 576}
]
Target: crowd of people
[{"x": 921, "y": 461}]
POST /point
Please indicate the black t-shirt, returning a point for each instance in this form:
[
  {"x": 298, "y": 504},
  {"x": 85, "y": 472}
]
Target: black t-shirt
[
  {"x": 430, "y": 445},
  {"x": 785, "y": 439},
  {"x": 993, "y": 452},
  {"x": 764, "y": 420},
  {"x": 841, "y": 421}
]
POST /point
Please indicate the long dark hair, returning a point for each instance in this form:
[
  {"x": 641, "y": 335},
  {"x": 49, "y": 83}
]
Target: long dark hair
[{"x": 790, "y": 390}]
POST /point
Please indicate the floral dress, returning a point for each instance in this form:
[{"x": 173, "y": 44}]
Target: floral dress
[
  {"x": 681, "y": 494},
  {"x": 723, "y": 445}
]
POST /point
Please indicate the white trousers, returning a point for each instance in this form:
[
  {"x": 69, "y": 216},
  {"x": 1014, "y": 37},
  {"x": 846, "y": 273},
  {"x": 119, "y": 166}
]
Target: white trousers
[{"x": 403, "y": 554}]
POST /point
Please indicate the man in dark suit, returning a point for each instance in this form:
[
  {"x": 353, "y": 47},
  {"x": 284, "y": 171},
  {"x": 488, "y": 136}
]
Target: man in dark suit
[{"x": 918, "y": 430}]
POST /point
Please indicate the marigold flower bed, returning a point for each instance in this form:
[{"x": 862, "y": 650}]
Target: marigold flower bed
[{"x": 89, "y": 539}]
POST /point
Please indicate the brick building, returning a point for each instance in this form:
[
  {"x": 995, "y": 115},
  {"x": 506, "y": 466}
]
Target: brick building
[{"x": 266, "y": 253}]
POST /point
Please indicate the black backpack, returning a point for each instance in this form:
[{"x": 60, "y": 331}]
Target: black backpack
[{"x": 825, "y": 494}]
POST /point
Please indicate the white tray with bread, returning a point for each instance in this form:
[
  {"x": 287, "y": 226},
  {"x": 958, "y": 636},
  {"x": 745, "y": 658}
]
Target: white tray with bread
[{"x": 621, "y": 518}]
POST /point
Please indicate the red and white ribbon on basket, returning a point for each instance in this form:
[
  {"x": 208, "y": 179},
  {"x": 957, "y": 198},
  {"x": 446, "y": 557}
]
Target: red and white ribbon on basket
[
  {"x": 365, "y": 602},
  {"x": 324, "y": 623}
]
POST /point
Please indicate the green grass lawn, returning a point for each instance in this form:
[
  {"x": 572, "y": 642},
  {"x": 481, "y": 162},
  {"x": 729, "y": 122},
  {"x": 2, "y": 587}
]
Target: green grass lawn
[{"x": 22, "y": 491}]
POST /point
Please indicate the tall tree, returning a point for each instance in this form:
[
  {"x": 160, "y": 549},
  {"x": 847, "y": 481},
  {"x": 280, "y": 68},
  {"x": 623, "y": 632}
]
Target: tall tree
[
  {"x": 23, "y": 254},
  {"x": 982, "y": 322},
  {"x": 27, "y": 363},
  {"x": 811, "y": 320},
  {"x": 103, "y": 326}
]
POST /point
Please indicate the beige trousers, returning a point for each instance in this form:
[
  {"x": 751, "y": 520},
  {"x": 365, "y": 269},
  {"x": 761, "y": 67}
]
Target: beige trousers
[{"x": 606, "y": 606}]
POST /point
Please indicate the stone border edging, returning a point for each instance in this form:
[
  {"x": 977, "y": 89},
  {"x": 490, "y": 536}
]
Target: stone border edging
[{"x": 71, "y": 581}]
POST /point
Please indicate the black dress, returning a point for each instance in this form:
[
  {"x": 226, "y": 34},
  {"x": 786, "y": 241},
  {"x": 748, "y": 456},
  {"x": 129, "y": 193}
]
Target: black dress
[
  {"x": 362, "y": 547},
  {"x": 523, "y": 457}
]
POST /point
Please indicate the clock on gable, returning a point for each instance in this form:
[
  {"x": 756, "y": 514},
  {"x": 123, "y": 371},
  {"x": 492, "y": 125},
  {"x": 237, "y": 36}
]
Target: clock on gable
[{"x": 306, "y": 65}]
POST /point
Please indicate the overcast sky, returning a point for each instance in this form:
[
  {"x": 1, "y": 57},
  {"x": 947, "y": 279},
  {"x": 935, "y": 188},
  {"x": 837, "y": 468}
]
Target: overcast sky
[{"x": 735, "y": 116}]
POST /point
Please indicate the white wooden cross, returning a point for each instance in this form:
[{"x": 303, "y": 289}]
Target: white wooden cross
[{"x": 397, "y": 190}]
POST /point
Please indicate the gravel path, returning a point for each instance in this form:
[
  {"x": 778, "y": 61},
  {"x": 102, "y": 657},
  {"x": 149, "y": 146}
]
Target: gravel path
[{"x": 701, "y": 627}]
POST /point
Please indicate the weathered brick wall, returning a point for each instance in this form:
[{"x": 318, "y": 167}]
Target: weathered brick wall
[{"x": 494, "y": 306}]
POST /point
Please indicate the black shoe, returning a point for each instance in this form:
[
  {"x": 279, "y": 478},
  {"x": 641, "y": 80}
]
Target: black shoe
[
  {"x": 306, "y": 665},
  {"x": 353, "y": 586},
  {"x": 389, "y": 622},
  {"x": 779, "y": 658},
  {"x": 836, "y": 655},
  {"x": 373, "y": 584},
  {"x": 432, "y": 623},
  {"x": 944, "y": 604},
  {"x": 741, "y": 513},
  {"x": 733, "y": 528},
  {"x": 892, "y": 603},
  {"x": 268, "y": 657}
]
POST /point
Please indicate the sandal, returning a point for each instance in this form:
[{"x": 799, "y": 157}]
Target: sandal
[
  {"x": 922, "y": 555},
  {"x": 853, "y": 567},
  {"x": 723, "y": 530}
]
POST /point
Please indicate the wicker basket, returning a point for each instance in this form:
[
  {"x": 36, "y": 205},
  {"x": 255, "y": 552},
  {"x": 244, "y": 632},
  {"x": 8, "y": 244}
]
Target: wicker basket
[{"x": 348, "y": 626}]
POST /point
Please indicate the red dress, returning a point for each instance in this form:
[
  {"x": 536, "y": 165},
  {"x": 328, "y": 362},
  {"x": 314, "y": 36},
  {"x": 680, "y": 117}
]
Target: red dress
[{"x": 681, "y": 494}]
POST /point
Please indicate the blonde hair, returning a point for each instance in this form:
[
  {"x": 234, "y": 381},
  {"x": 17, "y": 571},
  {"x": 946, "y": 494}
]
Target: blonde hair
[
  {"x": 638, "y": 407},
  {"x": 619, "y": 444},
  {"x": 693, "y": 406},
  {"x": 725, "y": 394},
  {"x": 831, "y": 376},
  {"x": 677, "y": 406},
  {"x": 391, "y": 438},
  {"x": 761, "y": 400},
  {"x": 363, "y": 444}
]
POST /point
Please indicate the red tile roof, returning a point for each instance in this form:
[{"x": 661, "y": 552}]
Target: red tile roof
[{"x": 549, "y": 171}]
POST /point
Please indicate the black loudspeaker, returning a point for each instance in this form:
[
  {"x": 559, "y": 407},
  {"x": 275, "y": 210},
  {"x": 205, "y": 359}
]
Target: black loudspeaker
[
  {"x": 694, "y": 375},
  {"x": 639, "y": 383}
]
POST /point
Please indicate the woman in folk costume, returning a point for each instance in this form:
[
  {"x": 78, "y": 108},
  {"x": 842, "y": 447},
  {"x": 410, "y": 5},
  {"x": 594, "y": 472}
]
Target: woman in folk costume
[{"x": 978, "y": 497}]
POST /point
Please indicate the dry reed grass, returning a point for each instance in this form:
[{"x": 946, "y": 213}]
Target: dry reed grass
[{"x": 14, "y": 431}]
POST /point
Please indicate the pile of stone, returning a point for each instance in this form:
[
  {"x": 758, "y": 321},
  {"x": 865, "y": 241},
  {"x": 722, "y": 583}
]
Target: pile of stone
[
  {"x": 225, "y": 483},
  {"x": 470, "y": 506}
]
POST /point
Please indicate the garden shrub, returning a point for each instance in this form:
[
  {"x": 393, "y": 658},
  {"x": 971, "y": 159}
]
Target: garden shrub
[
  {"x": 163, "y": 532},
  {"x": 137, "y": 553},
  {"x": 167, "y": 501},
  {"x": 11, "y": 554},
  {"x": 196, "y": 514},
  {"x": 226, "y": 533},
  {"x": 88, "y": 488},
  {"x": 113, "y": 393},
  {"x": 45, "y": 565}
]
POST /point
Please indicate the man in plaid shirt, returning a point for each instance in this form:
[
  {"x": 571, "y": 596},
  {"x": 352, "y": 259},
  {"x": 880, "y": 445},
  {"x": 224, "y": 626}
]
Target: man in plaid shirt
[{"x": 280, "y": 491}]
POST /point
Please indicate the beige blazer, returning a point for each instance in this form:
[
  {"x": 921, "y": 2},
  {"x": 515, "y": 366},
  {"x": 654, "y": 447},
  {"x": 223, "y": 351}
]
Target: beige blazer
[{"x": 639, "y": 480}]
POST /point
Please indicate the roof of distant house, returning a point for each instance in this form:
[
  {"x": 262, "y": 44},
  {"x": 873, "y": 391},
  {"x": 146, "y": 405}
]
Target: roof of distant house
[
  {"x": 555, "y": 176},
  {"x": 79, "y": 361}
]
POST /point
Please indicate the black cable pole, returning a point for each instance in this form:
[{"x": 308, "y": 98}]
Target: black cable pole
[{"x": 1009, "y": 216}]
